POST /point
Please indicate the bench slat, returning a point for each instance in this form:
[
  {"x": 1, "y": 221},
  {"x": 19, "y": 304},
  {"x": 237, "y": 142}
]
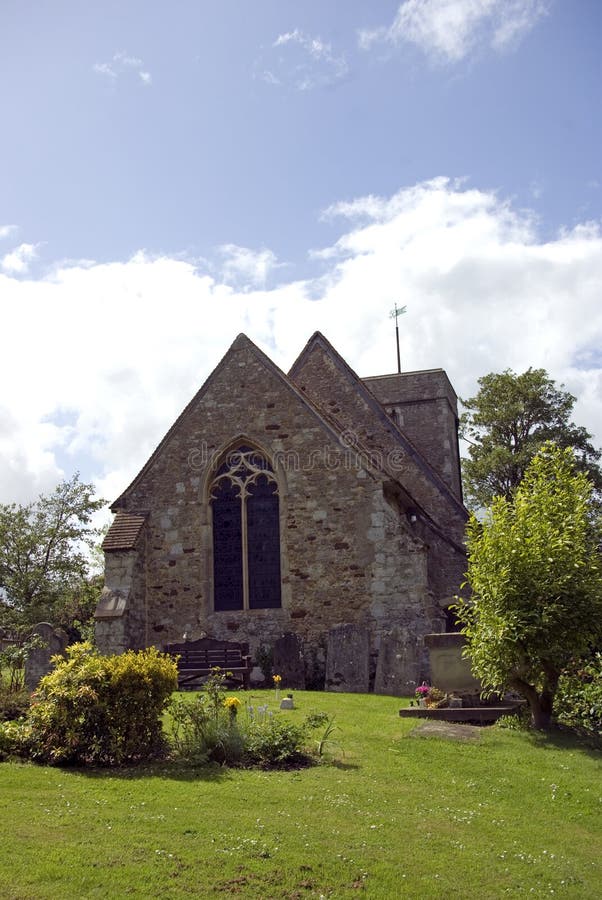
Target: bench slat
[{"x": 195, "y": 662}]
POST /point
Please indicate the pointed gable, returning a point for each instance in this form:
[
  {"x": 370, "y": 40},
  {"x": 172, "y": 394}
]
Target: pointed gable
[
  {"x": 237, "y": 374},
  {"x": 324, "y": 376}
]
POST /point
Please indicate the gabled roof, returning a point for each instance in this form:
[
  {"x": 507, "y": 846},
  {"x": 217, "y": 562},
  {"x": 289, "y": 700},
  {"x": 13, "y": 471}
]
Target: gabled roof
[
  {"x": 381, "y": 427},
  {"x": 367, "y": 414},
  {"x": 242, "y": 342}
]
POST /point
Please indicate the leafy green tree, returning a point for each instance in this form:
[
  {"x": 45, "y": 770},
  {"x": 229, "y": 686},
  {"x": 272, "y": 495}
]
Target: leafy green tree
[
  {"x": 44, "y": 551},
  {"x": 506, "y": 423},
  {"x": 74, "y": 610},
  {"x": 534, "y": 568}
]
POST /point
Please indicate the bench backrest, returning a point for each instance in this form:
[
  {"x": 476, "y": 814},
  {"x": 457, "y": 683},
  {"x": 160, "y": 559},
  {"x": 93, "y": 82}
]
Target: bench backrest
[
  {"x": 208, "y": 654},
  {"x": 209, "y": 659}
]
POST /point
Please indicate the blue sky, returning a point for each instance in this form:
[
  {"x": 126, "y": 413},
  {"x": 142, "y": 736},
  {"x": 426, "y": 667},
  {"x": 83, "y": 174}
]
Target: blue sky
[{"x": 174, "y": 173}]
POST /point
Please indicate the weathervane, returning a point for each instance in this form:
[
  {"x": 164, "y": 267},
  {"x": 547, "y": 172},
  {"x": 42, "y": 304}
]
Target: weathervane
[{"x": 395, "y": 314}]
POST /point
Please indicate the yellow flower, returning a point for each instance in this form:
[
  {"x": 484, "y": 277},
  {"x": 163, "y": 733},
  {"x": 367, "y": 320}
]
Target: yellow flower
[
  {"x": 232, "y": 703},
  {"x": 277, "y": 679}
]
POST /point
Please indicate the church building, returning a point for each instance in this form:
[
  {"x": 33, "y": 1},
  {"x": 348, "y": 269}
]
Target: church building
[{"x": 290, "y": 504}]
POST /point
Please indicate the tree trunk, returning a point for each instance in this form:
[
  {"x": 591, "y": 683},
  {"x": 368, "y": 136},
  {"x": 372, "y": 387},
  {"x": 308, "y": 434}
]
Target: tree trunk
[
  {"x": 541, "y": 714},
  {"x": 540, "y": 704}
]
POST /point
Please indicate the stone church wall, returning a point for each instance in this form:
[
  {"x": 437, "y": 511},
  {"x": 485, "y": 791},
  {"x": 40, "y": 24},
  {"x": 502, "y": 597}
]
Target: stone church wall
[
  {"x": 351, "y": 552},
  {"x": 425, "y": 407},
  {"x": 120, "y": 617},
  {"x": 363, "y": 419},
  {"x": 341, "y": 543}
]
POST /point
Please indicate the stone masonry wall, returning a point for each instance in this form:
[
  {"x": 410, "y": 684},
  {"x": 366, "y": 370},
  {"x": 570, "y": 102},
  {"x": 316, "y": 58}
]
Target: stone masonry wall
[
  {"x": 120, "y": 617},
  {"x": 401, "y": 595},
  {"x": 329, "y": 552},
  {"x": 426, "y": 409},
  {"x": 321, "y": 377}
]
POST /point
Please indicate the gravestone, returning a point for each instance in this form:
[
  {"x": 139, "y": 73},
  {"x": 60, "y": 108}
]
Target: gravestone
[
  {"x": 256, "y": 677},
  {"x": 348, "y": 659},
  {"x": 288, "y": 662},
  {"x": 397, "y": 666},
  {"x": 38, "y": 662},
  {"x": 450, "y": 671}
]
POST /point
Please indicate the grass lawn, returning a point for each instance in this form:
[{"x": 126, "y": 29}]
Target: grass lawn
[{"x": 401, "y": 815}]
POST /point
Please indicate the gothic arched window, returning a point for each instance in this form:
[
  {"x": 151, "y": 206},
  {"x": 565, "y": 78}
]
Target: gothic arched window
[{"x": 246, "y": 533}]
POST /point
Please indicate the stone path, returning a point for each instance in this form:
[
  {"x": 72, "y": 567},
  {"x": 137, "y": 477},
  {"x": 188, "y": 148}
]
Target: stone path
[{"x": 449, "y": 730}]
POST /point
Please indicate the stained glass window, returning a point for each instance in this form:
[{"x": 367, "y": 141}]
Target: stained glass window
[
  {"x": 227, "y": 546},
  {"x": 246, "y": 533}
]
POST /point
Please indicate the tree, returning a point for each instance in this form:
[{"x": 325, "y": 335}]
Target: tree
[
  {"x": 44, "y": 550},
  {"x": 506, "y": 423},
  {"x": 534, "y": 568}
]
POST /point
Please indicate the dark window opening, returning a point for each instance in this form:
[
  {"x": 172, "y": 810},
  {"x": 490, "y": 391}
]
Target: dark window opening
[
  {"x": 246, "y": 533},
  {"x": 227, "y": 547}
]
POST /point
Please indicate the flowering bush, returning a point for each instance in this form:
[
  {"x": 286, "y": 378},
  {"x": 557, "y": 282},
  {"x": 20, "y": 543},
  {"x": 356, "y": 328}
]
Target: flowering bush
[
  {"x": 11, "y": 739},
  {"x": 99, "y": 710},
  {"x": 204, "y": 730}
]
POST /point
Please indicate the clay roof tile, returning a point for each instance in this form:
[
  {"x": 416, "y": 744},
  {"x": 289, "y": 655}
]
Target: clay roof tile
[{"x": 124, "y": 532}]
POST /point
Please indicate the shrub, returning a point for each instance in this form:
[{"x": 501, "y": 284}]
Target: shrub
[
  {"x": 12, "y": 739},
  {"x": 207, "y": 728},
  {"x": 578, "y": 703},
  {"x": 203, "y": 732},
  {"x": 100, "y": 710},
  {"x": 516, "y": 721},
  {"x": 276, "y": 743},
  {"x": 13, "y": 703},
  {"x": 264, "y": 656}
]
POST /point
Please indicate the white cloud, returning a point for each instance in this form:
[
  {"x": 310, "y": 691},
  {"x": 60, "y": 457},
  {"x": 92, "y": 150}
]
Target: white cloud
[
  {"x": 245, "y": 267},
  {"x": 7, "y": 231},
  {"x": 128, "y": 62},
  {"x": 105, "y": 69},
  {"x": 302, "y": 61},
  {"x": 100, "y": 359},
  {"x": 449, "y": 30},
  {"x": 17, "y": 261},
  {"x": 120, "y": 64}
]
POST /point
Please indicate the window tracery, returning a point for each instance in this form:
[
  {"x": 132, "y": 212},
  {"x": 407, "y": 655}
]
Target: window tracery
[{"x": 246, "y": 532}]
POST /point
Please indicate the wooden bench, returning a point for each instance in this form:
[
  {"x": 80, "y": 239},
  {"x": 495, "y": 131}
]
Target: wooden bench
[{"x": 196, "y": 659}]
